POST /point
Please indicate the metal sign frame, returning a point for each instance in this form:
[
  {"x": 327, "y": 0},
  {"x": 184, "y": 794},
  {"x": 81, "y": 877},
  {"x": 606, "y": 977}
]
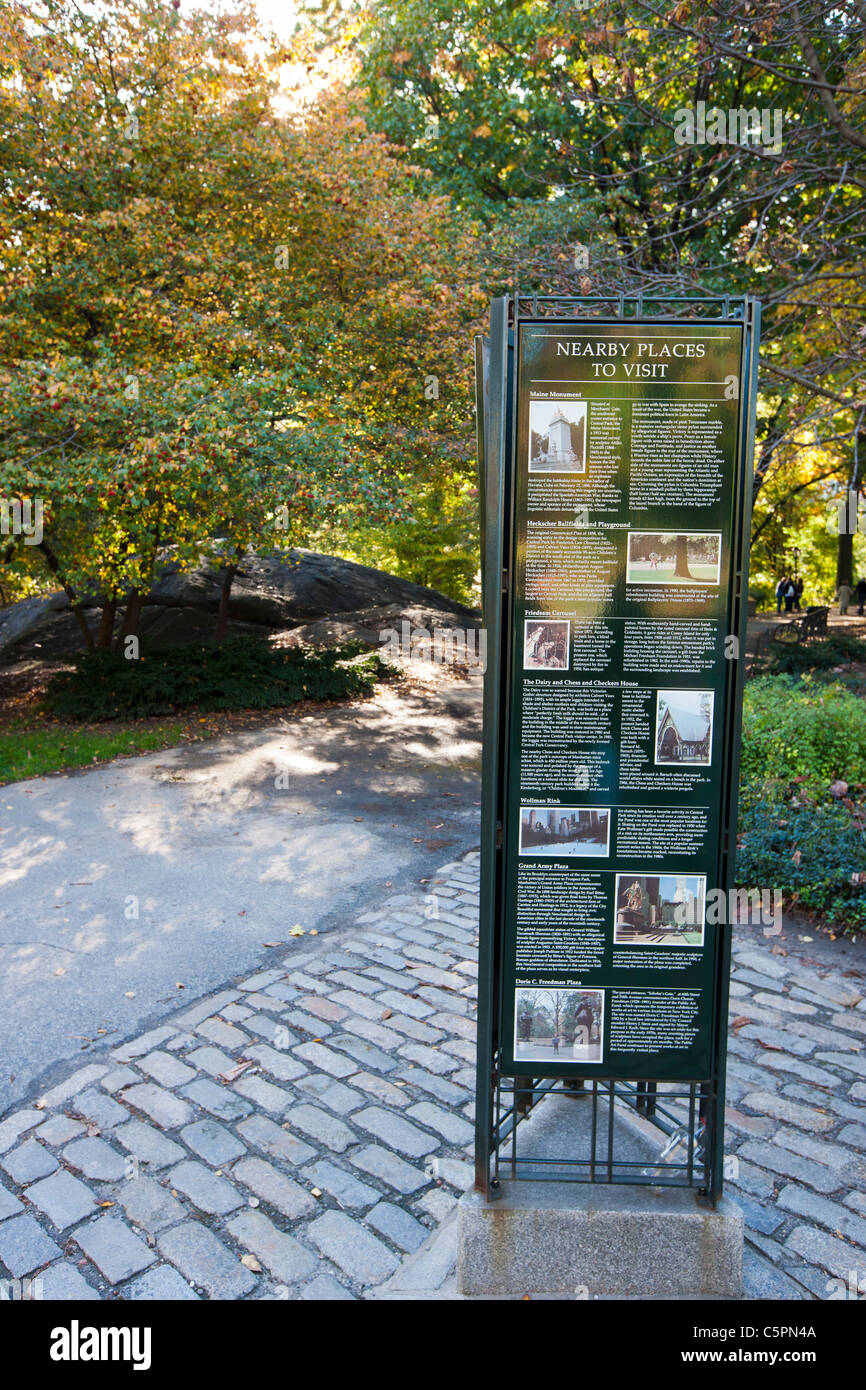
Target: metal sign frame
[{"x": 691, "y": 1115}]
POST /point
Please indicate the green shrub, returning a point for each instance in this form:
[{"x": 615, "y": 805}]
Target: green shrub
[
  {"x": 763, "y": 591},
  {"x": 802, "y": 728},
  {"x": 793, "y": 658},
  {"x": 241, "y": 673},
  {"x": 814, "y": 851}
]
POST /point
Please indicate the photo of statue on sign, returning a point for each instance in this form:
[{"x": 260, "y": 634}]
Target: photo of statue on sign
[
  {"x": 554, "y": 1023},
  {"x": 664, "y": 910},
  {"x": 557, "y": 437}
]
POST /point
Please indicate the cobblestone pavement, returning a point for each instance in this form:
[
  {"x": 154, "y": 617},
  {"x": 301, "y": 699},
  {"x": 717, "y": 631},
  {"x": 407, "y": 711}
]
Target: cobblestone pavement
[
  {"x": 306, "y": 1131},
  {"x": 796, "y": 1123}
]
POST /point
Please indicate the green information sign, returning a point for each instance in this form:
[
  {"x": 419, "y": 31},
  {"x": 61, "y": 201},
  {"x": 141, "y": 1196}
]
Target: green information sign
[{"x": 621, "y": 661}]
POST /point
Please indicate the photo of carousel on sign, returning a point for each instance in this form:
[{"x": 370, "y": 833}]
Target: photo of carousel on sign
[
  {"x": 667, "y": 910},
  {"x": 545, "y": 646},
  {"x": 552, "y": 1024}
]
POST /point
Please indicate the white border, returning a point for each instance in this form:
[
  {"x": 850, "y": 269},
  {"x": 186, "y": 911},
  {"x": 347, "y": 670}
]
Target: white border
[{"x": 557, "y": 1058}]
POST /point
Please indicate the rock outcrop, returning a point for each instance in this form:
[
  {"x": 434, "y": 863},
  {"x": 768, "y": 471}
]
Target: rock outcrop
[{"x": 310, "y": 597}]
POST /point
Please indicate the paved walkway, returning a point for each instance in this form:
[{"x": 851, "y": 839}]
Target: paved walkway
[
  {"x": 306, "y": 1132},
  {"x": 796, "y": 1121},
  {"x": 120, "y": 883}
]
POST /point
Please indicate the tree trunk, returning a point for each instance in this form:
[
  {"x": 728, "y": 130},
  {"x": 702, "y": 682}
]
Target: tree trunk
[
  {"x": 54, "y": 566},
  {"x": 106, "y": 624},
  {"x": 228, "y": 574},
  {"x": 845, "y": 559},
  {"x": 131, "y": 617},
  {"x": 681, "y": 565},
  {"x": 848, "y": 520}
]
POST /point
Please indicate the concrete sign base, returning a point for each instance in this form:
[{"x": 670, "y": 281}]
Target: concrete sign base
[{"x": 591, "y": 1241}]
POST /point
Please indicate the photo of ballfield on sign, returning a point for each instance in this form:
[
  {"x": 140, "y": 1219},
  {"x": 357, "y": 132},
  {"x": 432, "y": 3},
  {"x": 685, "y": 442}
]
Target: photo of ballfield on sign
[{"x": 672, "y": 557}]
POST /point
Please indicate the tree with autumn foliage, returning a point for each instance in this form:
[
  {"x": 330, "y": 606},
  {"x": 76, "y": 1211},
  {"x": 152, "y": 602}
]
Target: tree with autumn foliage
[
  {"x": 218, "y": 320},
  {"x": 579, "y": 104}
]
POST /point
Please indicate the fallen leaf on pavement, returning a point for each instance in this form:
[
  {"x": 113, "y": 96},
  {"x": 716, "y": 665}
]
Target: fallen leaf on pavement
[{"x": 234, "y": 1072}]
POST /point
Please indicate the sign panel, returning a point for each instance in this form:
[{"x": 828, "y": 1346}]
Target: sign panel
[{"x": 626, "y": 445}]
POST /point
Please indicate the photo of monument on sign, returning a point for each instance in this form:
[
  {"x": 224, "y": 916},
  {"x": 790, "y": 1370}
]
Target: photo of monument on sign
[
  {"x": 559, "y": 1025},
  {"x": 674, "y": 557},
  {"x": 666, "y": 910},
  {"x": 565, "y": 830},
  {"x": 557, "y": 437},
  {"x": 545, "y": 646},
  {"x": 684, "y": 726}
]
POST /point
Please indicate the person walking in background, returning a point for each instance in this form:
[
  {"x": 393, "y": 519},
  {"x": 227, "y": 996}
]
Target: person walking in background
[
  {"x": 860, "y": 591},
  {"x": 799, "y": 586},
  {"x": 790, "y": 595},
  {"x": 843, "y": 594},
  {"x": 780, "y": 592}
]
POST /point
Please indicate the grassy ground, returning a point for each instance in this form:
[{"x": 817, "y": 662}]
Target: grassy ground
[
  {"x": 34, "y": 743},
  {"x": 35, "y": 751}
]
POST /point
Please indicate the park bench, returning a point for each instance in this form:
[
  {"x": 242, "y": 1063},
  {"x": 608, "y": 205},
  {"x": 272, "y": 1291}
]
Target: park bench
[{"x": 811, "y": 627}]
